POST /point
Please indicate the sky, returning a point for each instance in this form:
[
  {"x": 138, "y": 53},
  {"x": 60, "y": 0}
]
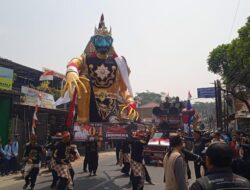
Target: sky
[{"x": 165, "y": 42}]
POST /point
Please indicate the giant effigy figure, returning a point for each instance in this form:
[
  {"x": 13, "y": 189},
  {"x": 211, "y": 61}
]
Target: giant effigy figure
[{"x": 100, "y": 80}]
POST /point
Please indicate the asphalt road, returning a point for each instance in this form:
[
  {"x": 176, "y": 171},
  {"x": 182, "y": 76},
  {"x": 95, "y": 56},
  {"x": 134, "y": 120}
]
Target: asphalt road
[{"x": 108, "y": 177}]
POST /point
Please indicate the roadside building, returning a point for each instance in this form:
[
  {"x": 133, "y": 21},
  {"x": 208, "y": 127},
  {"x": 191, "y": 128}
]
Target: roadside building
[
  {"x": 239, "y": 115},
  {"x": 145, "y": 111},
  {"x": 19, "y": 94}
]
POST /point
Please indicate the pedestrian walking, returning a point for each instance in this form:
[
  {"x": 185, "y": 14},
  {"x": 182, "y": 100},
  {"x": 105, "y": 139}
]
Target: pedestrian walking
[
  {"x": 175, "y": 168},
  {"x": 8, "y": 156},
  {"x": 32, "y": 158},
  {"x": 92, "y": 156},
  {"x": 63, "y": 155},
  {"x": 118, "y": 146},
  {"x": 190, "y": 156},
  {"x": 15, "y": 151},
  {"x": 219, "y": 175},
  {"x": 55, "y": 178},
  {"x": 85, "y": 161},
  {"x": 137, "y": 169},
  {"x": 124, "y": 157},
  {"x": 2, "y": 159},
  {"x": 198, "y": 148}
]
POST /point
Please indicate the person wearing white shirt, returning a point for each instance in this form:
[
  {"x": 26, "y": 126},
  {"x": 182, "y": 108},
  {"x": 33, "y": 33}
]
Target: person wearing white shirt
[
  {"x": 2, "y": 159},
  {"x": 8, "y": 156},
  {"x": 14, "y": 158}
]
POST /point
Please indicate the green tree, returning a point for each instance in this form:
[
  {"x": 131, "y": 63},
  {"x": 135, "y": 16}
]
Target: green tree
[
  {"x": 218, "y": 60},
  {"x": 146, "y": 97},
  {"x": 232, "y": 62}
]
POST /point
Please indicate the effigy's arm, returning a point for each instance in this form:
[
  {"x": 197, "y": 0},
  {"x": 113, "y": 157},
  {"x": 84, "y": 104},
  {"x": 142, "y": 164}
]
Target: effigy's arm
[
  {"x": 76, "y": 76},
  {"x": 73, "y": 79},
  {"x": 124, "y": 92},
  {"x": 125, "y": 89}
]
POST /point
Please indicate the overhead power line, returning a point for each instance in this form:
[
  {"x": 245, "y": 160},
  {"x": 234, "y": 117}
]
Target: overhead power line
[{"x": 234, "y": 19}]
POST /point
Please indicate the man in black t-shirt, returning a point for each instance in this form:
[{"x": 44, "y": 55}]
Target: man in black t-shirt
[{"x": 32, "y": 157}]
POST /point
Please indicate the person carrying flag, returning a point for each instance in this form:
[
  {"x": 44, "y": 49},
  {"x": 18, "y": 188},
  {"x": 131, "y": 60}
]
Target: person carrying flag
[{"x": 32, "y": 159}]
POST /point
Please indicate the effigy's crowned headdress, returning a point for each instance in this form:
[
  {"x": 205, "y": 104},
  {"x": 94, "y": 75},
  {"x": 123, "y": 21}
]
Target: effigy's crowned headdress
[{"x": 102, "y": 29}]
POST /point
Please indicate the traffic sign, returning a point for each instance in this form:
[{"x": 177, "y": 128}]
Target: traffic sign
[{"x": 206, "y": 92}]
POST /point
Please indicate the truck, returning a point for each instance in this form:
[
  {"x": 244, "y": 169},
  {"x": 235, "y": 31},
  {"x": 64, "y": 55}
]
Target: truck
[{"x": 169, "y": 119}]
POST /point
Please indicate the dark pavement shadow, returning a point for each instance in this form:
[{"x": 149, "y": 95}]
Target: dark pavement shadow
[
  {"x": 18, "y": 178},
  {"x": 127, "y": 186},
  {"x": 122, "y": 176},
  {"x": 88, "y": 182},
  {"x": 44, "y": 181}
]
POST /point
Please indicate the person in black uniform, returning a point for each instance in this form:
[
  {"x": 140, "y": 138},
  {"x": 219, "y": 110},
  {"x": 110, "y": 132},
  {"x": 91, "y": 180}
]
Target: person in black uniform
[
  {"x": 63, "y": 155},
  {"x": 137, "y": 168},
  {"x": 219, "y": 175},
  {"x": 92, "y": 156},
  {"x": 124, "y": 157},
  {"x": 199, "y": 147},
  {"x": 32, "y": 157},
  {"x": 118, "y": 146},
  {"x": 190, "y": 156},
  {"x": 85, "y": 161},
  {"x": 55, "y": 141}
]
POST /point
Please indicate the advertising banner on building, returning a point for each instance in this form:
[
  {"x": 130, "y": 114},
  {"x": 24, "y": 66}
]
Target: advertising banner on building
[
  {"x": 84, "y": 132},
  {"x": 102, "y": 131},
  {"x": 31, "y": 96},
  {"x": 117, "y": 131},
  {"x": 6, "y": 78}
]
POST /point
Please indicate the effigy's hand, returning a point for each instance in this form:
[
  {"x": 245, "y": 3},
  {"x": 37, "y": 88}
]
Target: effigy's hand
[
  {"x": 73, "y": 79},
  {"x": 132, "y": 113}
]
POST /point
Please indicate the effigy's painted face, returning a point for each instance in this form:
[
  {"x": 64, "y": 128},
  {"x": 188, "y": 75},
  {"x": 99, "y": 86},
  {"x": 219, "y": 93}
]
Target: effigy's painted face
[{"x": 102, "y": 43}]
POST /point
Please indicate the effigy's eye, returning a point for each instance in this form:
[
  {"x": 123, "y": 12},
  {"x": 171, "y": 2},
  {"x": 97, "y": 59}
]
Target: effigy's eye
[{"x": 109, "y": 39}]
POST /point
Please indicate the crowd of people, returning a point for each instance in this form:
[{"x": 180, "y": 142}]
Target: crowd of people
[
  {"x": 225, "y": 164},
  {"x": 9, "y": 156},
  {"x": 63, "y": 154},
  {"x": 219, "y": 163}
]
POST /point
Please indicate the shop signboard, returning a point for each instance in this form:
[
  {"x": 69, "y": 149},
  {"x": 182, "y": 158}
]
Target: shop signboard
[
  {"x": 6, "y": 78},
  {"x": 34, "y": 97}
]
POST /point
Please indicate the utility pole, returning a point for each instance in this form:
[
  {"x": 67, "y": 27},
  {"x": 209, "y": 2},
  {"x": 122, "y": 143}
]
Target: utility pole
[{"x": 218, "y": 104}]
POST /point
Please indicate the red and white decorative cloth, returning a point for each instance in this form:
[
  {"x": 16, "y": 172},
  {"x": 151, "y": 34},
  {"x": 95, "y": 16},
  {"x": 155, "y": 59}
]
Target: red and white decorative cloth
[
  {"x": 63, "y": 171},
  {"x": 138, "y": 171},
  {"x": 47, "y": 75},
  {"x": 124, "y": 157}
]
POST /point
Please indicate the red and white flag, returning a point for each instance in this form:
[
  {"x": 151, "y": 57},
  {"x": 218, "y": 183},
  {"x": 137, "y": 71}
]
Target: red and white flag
[
  {"x": 39, "y": 100},
  {"x": 34, "y": 117},
  {"x": 189, "y": 95},
  {"x": 47, "y": 75}
]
